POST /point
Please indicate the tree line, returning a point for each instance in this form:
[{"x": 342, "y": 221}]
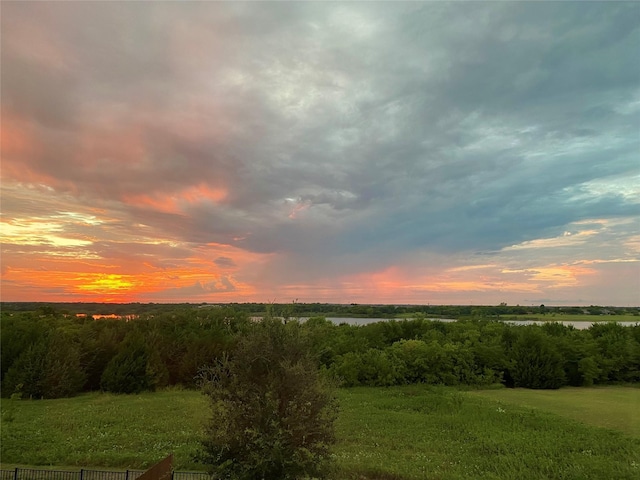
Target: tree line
[
  {"x": 296, "y": 309},
  {"x": 49, "y": 354}
]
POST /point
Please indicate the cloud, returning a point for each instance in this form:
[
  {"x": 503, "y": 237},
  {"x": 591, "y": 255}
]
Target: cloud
[
  {"x": 224, "y": 262},
  {"x": 308, "y": 142},
  {"x": 201, "y": 291}
]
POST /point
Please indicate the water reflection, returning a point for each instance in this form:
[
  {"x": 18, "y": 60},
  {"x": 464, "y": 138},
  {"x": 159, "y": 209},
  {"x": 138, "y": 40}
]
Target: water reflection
[{"x": 367, "y": 321}]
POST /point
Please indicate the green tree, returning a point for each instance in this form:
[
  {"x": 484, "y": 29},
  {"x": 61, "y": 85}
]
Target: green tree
[
  {"x": 414, "y": 354},
  {"x": 372, "y": 367},
  {"x": 63, "y": 375},
  {"x": 19, "y": 332},
  {"x": 127, "y": 372},
  {"x": 272, "y": 411},
  {"x": 47, "y": 368},
  {"x": 619, "y": 354},
  {"x": 537, "y": 361},
  {"x": 26, "y": 375}
]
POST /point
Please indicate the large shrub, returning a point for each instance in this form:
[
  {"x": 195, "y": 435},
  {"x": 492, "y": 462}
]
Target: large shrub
[{"x": 272, "y": 411}]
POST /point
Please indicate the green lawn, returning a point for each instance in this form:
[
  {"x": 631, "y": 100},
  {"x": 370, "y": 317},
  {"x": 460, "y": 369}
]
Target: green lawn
[
  {"x": 617, "y": 408},
  {"x": 421, "y": 432},
  {"x": 411, "y": 432},
  {"x": 103, "y": 430}
]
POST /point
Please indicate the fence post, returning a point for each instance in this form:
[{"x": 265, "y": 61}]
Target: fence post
[
  {"x": 127, "y": 476},
  {"x": 82, "y": 474},
  {"x": 15, "y": 474}
]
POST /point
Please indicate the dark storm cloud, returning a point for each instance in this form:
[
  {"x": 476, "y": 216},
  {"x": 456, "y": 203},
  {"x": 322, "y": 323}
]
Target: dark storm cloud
[{"x": 344, "y": 134}]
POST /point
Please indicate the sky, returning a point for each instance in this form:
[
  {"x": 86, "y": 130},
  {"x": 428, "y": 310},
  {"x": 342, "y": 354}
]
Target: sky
[{"x": 340, "y": 152}]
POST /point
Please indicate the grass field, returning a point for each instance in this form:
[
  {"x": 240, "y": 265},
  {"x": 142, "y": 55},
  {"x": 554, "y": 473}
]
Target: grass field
[
  {"x": 411, "y": 432},
  {"x": 103, "y": 430},
  {"x": 560, "y": 317},
  {"x": 608, "y": 407}
]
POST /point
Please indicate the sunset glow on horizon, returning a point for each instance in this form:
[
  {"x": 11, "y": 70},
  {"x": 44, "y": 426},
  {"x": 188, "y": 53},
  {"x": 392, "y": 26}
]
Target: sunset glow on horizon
[{"x": 356, "y": 152}]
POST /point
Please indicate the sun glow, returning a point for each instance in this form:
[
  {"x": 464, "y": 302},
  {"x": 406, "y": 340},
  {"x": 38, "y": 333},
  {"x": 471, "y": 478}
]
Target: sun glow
[{"x": 101, "y": 283}]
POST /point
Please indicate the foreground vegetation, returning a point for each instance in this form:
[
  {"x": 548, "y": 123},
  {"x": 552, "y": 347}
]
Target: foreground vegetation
[
  {"x": 409, "y": 432},
  {"x": 270, "y": 386},
  {"x": 272, "y": 410},
  {"x": 48, "y": 354}
]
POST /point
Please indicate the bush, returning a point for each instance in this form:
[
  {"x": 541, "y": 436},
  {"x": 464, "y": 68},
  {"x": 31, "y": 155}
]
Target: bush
[{"x": 272, "y": 411}]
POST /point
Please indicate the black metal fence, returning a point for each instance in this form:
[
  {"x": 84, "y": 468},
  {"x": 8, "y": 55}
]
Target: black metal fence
[{"x": 32, "y": 474}]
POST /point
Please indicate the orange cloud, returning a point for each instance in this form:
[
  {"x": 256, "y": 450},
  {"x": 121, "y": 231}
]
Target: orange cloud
[
  {"x": 20, "y": 143},
  {"x": 395, "y": 283},
  {"x": 175, "y": 203},
  {"x": 60, "y": 284},
  {"x": 37, "y": 268},
  {"x": 203, "y": 191},
  {"x": 161, "y": 203},
  {"x": 555, "y": 276},
  {"x": 480, "y": 286},
  {"x": 107, "y": 141},
  {"x": 17, "y": 137}
]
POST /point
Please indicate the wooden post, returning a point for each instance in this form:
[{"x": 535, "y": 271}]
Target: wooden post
[{"x": 163, "y": 470}]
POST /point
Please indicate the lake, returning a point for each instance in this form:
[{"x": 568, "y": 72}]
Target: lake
[{"x": 366, "y": 321}]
